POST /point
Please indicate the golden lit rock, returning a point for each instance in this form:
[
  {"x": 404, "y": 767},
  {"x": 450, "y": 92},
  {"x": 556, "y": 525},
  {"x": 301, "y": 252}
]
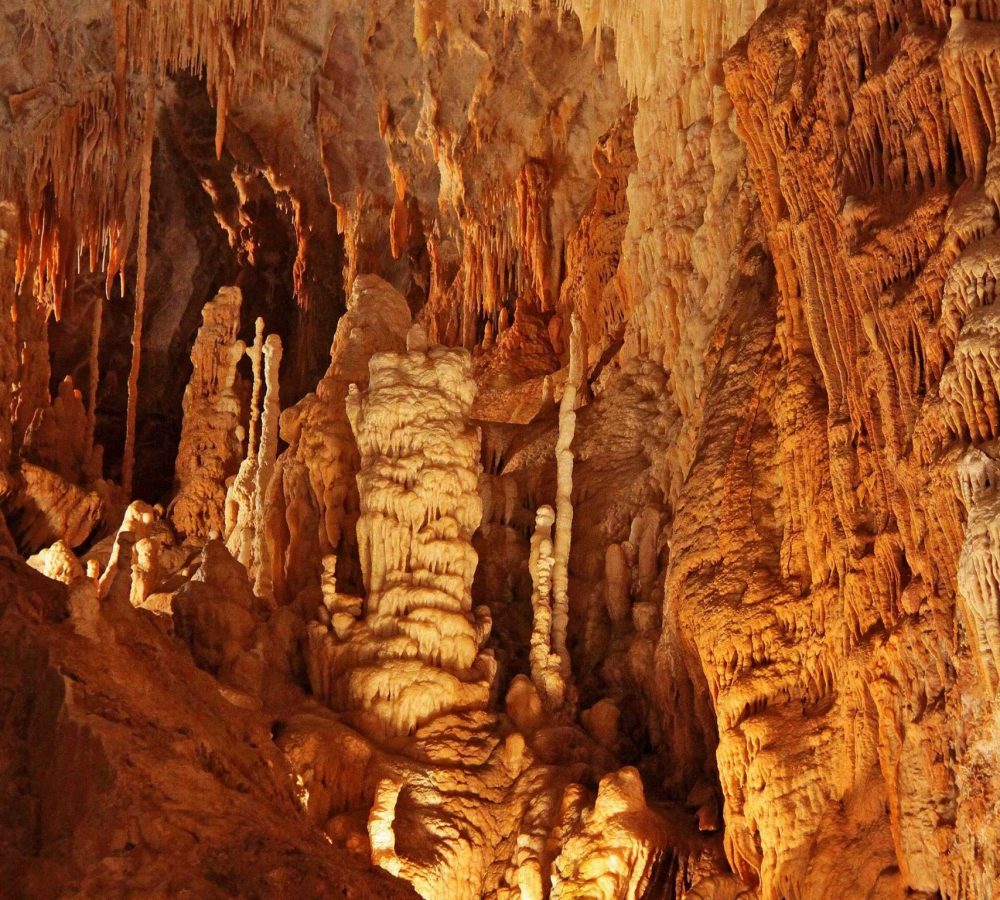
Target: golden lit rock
[{"x": 500, "y": 449}]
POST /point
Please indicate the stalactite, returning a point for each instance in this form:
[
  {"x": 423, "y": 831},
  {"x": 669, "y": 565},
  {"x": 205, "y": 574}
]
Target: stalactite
[
  {"x": 142, "y": 262},
  {"x": 759, "y": 262},
  {"x": 651, "y": 39},
  {"x": 533, "y": 203},
  {"x": 120, "y": 15},
  {"x": 94, "y": 371},
  {"x": 221, "y": 113},
  {"x": 74, "y": 184}
]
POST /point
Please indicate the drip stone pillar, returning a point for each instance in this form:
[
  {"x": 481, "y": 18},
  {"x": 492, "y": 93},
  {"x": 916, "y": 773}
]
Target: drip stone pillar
[
  {"x": 245, "y": 501},
  {"x": 267, "y": 454},
  {"x": 564, "y": 501},
  {"x": 211, "y": 435},
  {"x": 545, "y": 664},
  {"x": 414, "y": 653}
]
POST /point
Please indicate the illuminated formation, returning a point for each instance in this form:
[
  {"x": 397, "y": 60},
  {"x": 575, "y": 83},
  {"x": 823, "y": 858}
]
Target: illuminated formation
[
  {"x": 210, "y": 446},
  {"x": 505, "y": 449},
  {"x": 416, "y": 652}
]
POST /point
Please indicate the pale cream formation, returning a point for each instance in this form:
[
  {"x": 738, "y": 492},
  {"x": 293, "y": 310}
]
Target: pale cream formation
[
  {"x": 312, "y": 510},
  {"x": 246, "y": 497},
  {"x": 415, "y": 652}
]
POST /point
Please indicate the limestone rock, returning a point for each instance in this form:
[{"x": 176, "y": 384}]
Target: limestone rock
[
  {"x": 210, "y": 447},
  {"x": 313, "y": 510},
  {"x": 130, "y": 769},
  {"x": 414, "y": 654},
  {"x": 653, "y": 550},
  {"x": 42, "y": 507}
]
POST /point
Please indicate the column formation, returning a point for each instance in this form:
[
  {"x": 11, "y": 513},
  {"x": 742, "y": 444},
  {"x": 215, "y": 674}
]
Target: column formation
[
  {"x": 211, "y": 434},
  {"x": 414, "y": 652}
]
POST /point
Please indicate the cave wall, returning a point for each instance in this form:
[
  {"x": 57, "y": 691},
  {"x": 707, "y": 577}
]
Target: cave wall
[{"x": 754, "y": 247}]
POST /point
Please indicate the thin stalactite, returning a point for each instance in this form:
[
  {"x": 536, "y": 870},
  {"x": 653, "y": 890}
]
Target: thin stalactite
[
  {"x": 94, "y": 366},
  {"x": 145, "y": 179}
]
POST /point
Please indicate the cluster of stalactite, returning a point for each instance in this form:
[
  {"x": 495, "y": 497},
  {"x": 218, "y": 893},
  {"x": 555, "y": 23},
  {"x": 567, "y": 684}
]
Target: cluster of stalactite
[{"x": 586, "y": 479}]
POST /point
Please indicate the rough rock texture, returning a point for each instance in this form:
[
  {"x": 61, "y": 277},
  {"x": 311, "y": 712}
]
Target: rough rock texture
[
  {"x": 312, "y": 512},
  {"x": 117, "y": 782},
  {"x": 585, "y": 486},
  {"x": 210, "y": 446},
  {"x": 414, "y": 653}
]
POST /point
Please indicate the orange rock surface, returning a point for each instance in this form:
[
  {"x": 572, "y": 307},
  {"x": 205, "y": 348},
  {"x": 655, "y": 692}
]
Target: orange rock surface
[{"x": 500, "y": 449}]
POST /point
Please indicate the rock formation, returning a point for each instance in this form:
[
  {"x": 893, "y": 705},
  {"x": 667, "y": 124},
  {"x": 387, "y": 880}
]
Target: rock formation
[
  {"x": 415, "y": 652},
  {"x": 585, "y": 484},
  {"x": 210, "y": 446},
  {"x": 313, "y": 511}
]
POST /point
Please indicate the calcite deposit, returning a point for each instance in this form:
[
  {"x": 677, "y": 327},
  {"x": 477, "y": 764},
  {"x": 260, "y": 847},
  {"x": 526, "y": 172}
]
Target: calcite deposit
[
  {"x": 413, "y": 654},
  {"x": 211, "y": 436},
  {"x": 508, "y": 449}
]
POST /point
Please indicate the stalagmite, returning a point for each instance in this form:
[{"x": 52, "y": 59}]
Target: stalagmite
[
  {"x": 124, "y": 561},
  {"x": 415, "y": 653},
  {"x": 245, "y": 505},
  {"x": 209, "y": 452},
  {"x": 266, "y": 455},
  {"x": 216, "y": 612},
  {"x": 610, "y": 853},
  {"x": 636, "y": 536},
  {"x": 316, "y": 474},
  {"x": 256, "y": 354},
  {"x": 241, "y": 498},
  {"x": 56, "y": 438},
  {"x": 58, "y": 562},
  {"x": 546, "y": 672},
  {"x": 564, "y": 502}
]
